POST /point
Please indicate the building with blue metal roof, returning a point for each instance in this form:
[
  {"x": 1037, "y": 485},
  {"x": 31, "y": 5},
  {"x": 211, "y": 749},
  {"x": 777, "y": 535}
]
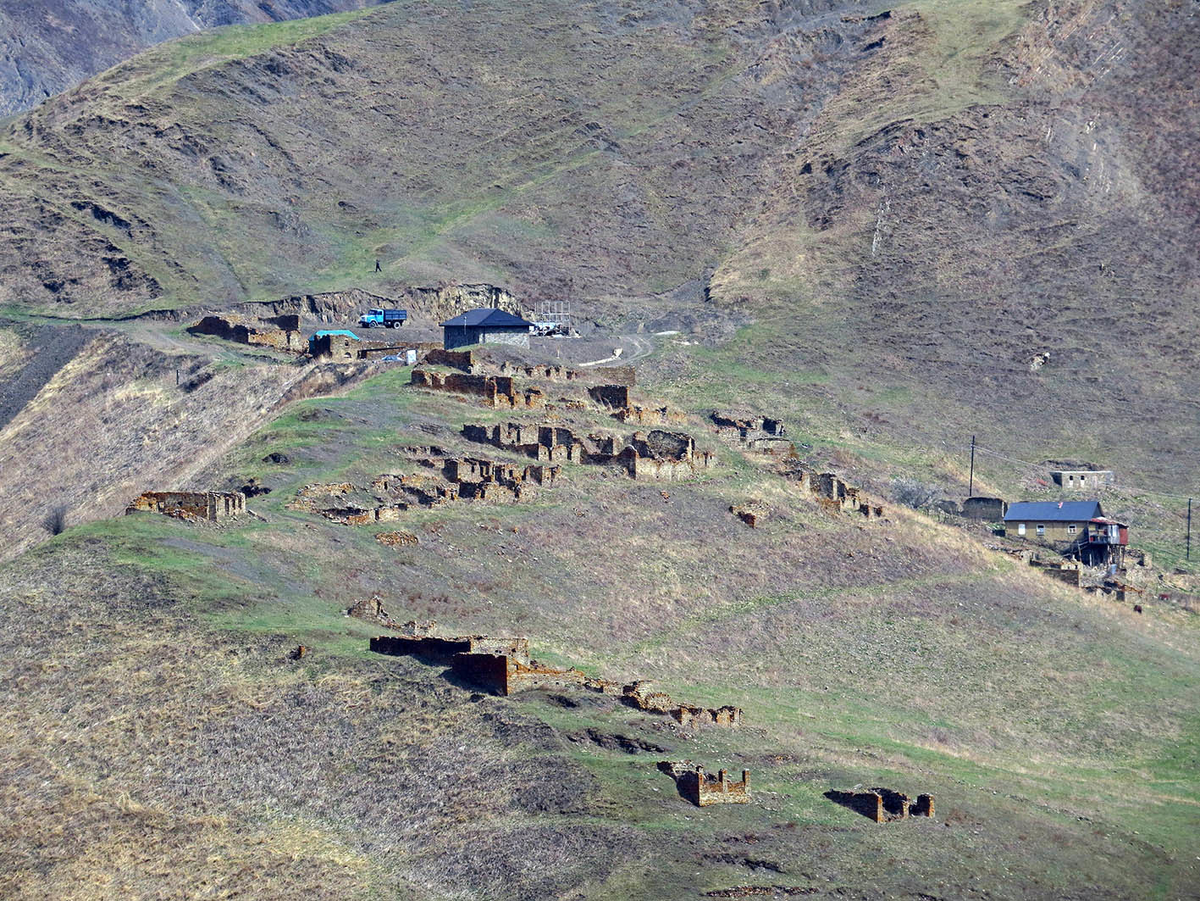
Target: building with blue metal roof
[
  {"x": 487, "y": 326},
  {"x": 1053, "y": 511}
]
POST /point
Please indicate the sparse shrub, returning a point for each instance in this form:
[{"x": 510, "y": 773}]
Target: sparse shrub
[
  {"x": 55, "y": 521},
  {"x": 913, "y": 493}
]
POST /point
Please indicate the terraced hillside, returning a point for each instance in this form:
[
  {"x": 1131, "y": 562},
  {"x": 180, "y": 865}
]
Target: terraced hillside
[
  {"x": 919, "y": 199},
  {"x": 159, "y": 737},
  {"x": 890, "y": 227}
]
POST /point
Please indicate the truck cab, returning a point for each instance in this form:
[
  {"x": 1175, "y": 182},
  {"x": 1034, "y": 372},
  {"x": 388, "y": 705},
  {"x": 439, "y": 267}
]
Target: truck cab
[{"x": 383, "y": 318}]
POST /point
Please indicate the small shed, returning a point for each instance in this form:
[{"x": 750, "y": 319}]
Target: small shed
[
  {"x": 1083, "y": 479},
  {"x": 987, "y": 509},
  {"x": 340, "y": 345},
  {"x": 488, "y": 326}
]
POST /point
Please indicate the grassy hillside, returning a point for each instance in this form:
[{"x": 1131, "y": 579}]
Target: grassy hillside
[
  {"x": 175, "y": 741},
  {"x": 914, "y": 200},
  {"x": 865, "y": 220},
  {"x": 49, "y": 47}
]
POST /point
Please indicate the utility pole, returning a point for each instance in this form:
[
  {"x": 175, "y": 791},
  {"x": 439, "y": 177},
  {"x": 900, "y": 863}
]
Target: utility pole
[
  {"x": 971, "y": 488},
  {"x": 1188, "y": 555}
]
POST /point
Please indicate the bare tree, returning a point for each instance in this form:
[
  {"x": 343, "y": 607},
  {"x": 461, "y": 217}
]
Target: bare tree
[
  {"x": 913, "y": 493},
  {"x": 56, "y": 520}
]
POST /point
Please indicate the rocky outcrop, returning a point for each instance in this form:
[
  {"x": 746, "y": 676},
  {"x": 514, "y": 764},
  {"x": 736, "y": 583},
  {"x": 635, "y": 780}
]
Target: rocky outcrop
[{"x": 46, "y": 48}]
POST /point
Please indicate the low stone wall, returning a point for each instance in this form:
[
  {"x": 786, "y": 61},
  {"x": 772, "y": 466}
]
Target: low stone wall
[
  {"x": 493, "y": 390},
  {"x": 280, "y": 332},
  {"x": 213, "y": 506},
  {"x": 882, "y": 805},
  {"x": 642, "y": 696},
  {"x": 659, "y": 455}
]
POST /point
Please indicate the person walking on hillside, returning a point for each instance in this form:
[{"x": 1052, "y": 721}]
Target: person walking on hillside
[{"x": 378, "y": 268}]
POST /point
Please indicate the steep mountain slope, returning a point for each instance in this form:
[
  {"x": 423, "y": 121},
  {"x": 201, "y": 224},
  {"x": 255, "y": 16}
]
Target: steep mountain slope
[
  {"x": 158, "y": 740},
  {"x": 894, "y": 210},
  {"x": 47, "y": 46},
  {"x": 917, "y": 201}
]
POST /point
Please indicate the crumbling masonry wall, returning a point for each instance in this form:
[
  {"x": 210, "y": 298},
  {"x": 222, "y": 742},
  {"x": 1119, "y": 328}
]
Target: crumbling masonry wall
[
  {"x": 703, "y": 790},
  {"x": 213, "y": 506},
  {"x": 279, "y": 332},
  {"x": 503, "y": 666},
  {"x": 834, "y": 494},
  {"x": 659, "y": 455},
  {"x": 449, "y": 479},
  {"x": 493, "y": 390},
  {"x": 882, "y": 805}
]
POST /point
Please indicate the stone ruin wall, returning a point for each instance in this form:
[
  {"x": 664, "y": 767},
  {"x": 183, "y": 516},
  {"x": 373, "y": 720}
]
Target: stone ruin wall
[
  {"x": 703, "y": 790},
  {"x": 658, "y": 455},
  {"x": 280, "y": 332},
  {"x": 503, "y": 666},
  {"x": 499, "y": 389},
  {"x": 836, "y": 495},
  {"x": 494, "y": 390},
  {"x": 641, "y": 696},
  {"x": 882, "y": 805},
  {"x": 450, "y": 479},
  {"x": 462, "y": 360},
  {"x": 605, "y": 375},
  {"x": 213, "y": 506},
  {"x": 759, "y": 434},
  {"x": 748, "y": 427}
]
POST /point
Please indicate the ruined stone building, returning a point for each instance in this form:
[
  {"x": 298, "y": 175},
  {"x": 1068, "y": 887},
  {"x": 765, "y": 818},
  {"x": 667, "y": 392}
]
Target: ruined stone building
[
  {"x": 835, "y": 494},
  {"x": 213, "y": 506},
  {"x": 443, "y": 481},
  {"x": 492, "y": 390},
  {"x": 280, "y": 332},
  {"x": 704, "y": 790},
  {"x": 655, "y": 455},
  {"x": 882, "y": 804},
  {"x": 500, "y": 666},
  {"x": 338, "y": 345}
]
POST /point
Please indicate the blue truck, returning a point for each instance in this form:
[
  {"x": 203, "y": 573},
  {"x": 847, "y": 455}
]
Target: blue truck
[{"x": 383, "y": 318}]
